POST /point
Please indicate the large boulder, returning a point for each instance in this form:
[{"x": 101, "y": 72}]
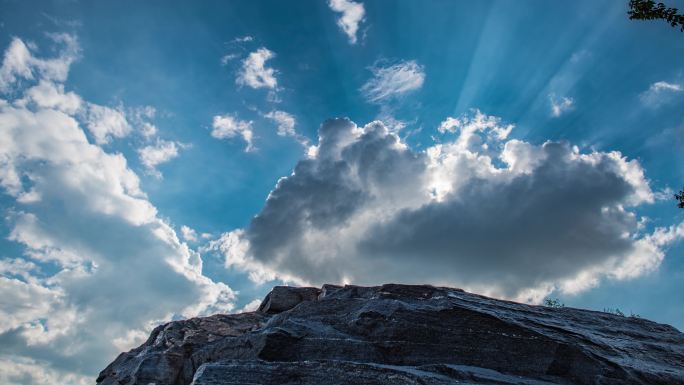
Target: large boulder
[
  {"x": 403, "y": 334},
  {"x": 283, "y": 298}
]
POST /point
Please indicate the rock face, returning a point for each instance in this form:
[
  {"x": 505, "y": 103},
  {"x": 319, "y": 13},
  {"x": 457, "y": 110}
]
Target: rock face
[{"x": 401, "y": 334}]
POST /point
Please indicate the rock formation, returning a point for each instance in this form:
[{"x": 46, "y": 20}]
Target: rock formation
[{"x": 402, "y": 334}]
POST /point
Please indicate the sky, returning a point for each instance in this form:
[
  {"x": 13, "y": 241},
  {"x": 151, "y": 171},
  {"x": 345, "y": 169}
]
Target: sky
[{"x": 165, "y": 160}]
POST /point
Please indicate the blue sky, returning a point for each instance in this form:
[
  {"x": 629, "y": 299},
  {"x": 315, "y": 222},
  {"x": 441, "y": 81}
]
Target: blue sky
[{"x": 161, "y": 160}]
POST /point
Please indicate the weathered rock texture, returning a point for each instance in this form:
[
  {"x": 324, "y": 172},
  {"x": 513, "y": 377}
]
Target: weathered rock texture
[{"x": 400, "y": 334}]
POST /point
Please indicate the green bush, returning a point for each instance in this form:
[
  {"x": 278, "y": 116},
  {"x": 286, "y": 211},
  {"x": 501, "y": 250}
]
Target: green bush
[{"x": 554, "y": 303}]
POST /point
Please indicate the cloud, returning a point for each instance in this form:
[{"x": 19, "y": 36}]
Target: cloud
[
  {"x": 251, "y": 306},
  {"x": 393, "y": 81},
  {"x": 352, "y": 14},
  {"x": 106, "y": 123},
  {"x": 154, "y": 155},
  {"x": 286, "y": 126},
  {"x": 665, "y": 86},
  {"x": 90, "y": 242},
  {"x": 254, "y": 72},
  {"x": 285, "y": 121},
  {"x": 21, "y": 370},
  {"x": 225, "y": 59},
  {"x": 471, "y": 127},
  {"x": 189, "y": 234},
  {"x": 243, "y": 39},
  {"x": 140, "y": 117},
  {"x": 229, "y": 126},
  {"x": 20, "y": 63},
  {"x": 16, "y": 64},
  {"x": 47, "y": 94},
  {"x": 660, "y": 93},
  {"x": 511, "y": 219},
  {"x": 387, "y": 116},
  {"x": 560, "y": 105}
]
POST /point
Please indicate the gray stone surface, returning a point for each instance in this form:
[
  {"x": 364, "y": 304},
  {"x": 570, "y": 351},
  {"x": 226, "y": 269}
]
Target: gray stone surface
[
  {"x": 345, "y": 372},
  {"x": 283, "y": 298},
  {"x": 403, "y": 334}
]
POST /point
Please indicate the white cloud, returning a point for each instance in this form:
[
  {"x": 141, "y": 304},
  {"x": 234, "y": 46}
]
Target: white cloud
[
  {"x": 286, "y": 126},
  {"x": 254, "y": 72},
  {"x": 476, "y": 130},
  {"x": 225, "y": 59},
  {"x": 15, "y": 64},
  {"x": 154, "y": 155},
  {"x": 229, "y": 126},
  {"x": 24, "y": 302},
  {"x": 392, "y": 123},
  {"x": 243, "y": 39},
  {"x": 47, "y": 94},
  {"x": 188, "y": 234},
  {"x": 560, "y": 105},
  {"x": 106, "y": 123},
  {"x": 365, "y": 208},
  {"x": 393, "y": 81},
  {"x": 352, "y": 14},
  {"x": 140, "y": 117},
  {"x": 91, "y": 241},
  {"x": 285, "y": 121},
  {"x": 148, "y": 129},
  {"x": 665, "y": 86},
  {"x": 660, "y": 93},
  {"x": 17, "y": 267},
  {"x": 387, "y": 117},
  {"x": 22, "y": 370},
  {"x": 20, "y": 63},
  {"x": 252, "y": 306}
]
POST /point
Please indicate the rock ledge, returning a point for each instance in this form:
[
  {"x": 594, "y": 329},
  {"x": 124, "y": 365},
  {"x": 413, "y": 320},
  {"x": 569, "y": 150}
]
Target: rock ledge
[{"x": 402, "y": 334}]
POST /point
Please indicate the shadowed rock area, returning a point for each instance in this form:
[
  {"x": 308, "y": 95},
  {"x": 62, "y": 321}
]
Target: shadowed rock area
[{"x": 402, "y": 334}]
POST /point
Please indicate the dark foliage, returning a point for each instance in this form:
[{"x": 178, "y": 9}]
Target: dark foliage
[
  {"x": 680, "y": 199},
  {"x": 554, "y": 303},
  {"x": 649, "y": 10}
]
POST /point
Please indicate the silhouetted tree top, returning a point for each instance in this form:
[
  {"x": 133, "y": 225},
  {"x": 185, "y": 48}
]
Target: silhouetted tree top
[
  {"x": 680, "y": 199},
  {"x": 649, "y": 10}
]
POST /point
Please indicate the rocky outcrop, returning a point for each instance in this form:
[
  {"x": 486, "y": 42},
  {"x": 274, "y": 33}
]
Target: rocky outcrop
[
  {"x": 283, "y": 298},
  {"x": 402, "y": 334}
]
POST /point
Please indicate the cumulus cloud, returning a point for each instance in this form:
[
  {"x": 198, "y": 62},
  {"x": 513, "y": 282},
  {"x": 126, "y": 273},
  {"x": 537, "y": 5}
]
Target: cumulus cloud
[
  {"x": 254, "y": 72},
  {"x": 352, "y": 15},
  {"x": 512, "y": 219},
  {"x": 476, "y": 130},
  {"x": 660, "y": 93},
  {"x": 106, "y": 123},
  {"x": 189, "y": 234},
  {"x": 21, "y": 370},
  {"x": 91, "y": 239},
  {"x": 161, "y": 152},
  {"x": 20, "y": 63},
  {"x": 393, "y": 81},
  {"x": 251, "y": 306},
  {"x": 229, "y": 126},
  {"x": 560, "y": 105},
  {"x": 47, "y": 94}
]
